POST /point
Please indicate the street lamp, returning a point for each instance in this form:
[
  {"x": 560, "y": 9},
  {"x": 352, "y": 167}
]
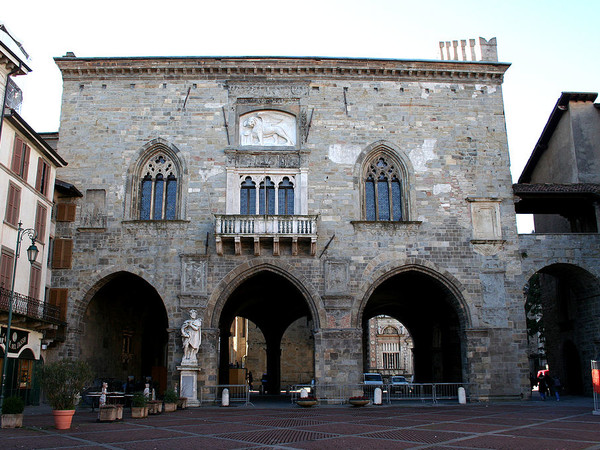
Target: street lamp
[{"x": 32, "y": 253}]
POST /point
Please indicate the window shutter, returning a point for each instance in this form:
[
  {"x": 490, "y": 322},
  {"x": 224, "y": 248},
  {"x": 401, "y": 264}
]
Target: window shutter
[
  {"x": 26, "y": 153},
  {"x": 63, "y": 254},
  {"x": 58, "y": 297},
  {"x": 12, "y": 204},
  {"x": 17, "y": 156},
  {"x": 40, "y": 222},
  {"x": 65, "y": 212},
  {"x": 40, "y": 171},
  {"x": 35, "y": 277},
  {"x": 6, "y": 268}
]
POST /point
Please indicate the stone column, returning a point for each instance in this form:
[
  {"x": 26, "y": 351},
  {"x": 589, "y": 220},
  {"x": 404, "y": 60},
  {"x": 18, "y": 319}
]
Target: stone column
[{"x": 338, "y": 356}]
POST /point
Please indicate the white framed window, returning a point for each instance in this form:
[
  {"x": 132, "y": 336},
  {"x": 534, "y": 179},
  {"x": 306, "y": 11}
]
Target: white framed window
[{"x": 266, "y": 191}]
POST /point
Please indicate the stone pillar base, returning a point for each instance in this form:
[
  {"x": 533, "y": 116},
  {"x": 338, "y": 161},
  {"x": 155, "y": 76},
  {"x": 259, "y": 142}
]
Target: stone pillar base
[{"x": 188, "y": 382}]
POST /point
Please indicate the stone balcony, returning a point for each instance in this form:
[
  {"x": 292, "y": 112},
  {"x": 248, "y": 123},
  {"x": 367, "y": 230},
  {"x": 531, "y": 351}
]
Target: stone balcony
[{"x": 262, "y": 231}]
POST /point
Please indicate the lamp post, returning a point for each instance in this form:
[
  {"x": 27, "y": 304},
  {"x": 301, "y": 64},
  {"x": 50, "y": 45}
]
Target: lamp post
[{"x": 32, "y": 253}]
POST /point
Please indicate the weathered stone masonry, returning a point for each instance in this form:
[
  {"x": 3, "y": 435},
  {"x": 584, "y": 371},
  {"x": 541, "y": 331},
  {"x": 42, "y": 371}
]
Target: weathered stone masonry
[{"x": 443, "y": 122}]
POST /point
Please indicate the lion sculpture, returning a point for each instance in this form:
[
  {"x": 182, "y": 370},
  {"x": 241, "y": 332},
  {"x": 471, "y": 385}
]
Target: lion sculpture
[{"x": 263, "y": 127}]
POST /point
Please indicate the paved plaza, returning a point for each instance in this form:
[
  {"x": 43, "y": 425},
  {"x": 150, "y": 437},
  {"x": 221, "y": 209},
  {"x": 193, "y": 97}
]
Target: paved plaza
[{"x": 530, "y": 424}]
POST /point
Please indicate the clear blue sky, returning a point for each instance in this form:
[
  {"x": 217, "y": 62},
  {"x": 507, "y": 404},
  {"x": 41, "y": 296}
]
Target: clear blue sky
[{"x": 552, "y": 44}]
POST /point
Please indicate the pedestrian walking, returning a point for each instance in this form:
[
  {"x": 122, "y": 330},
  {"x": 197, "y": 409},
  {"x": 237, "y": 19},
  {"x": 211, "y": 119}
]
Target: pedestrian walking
[{"x": 542, "y": 387}]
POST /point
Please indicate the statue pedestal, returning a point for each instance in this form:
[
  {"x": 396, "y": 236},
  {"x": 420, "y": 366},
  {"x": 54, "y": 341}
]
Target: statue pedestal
[{"x": 188, "y": 382}]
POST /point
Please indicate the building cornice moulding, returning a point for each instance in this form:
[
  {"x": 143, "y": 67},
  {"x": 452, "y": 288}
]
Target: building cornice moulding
[{"x": 268, "y": 69}]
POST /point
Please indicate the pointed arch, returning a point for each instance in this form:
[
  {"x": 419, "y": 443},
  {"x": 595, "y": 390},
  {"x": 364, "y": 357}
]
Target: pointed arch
[
  {"x": 386, "y": 179},
  {"x": 240, "y": 274},
  {"x": 156, "y": 183}
]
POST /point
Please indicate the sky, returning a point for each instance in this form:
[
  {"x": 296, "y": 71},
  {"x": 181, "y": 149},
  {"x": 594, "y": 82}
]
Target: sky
[{"x": 552, "y": 45}]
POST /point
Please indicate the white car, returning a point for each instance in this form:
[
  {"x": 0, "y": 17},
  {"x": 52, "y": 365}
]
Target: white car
[{"x": 374, "y": 379}]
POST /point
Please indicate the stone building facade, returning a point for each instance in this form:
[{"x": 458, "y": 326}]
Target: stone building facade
[{"x": 277, "y": 189}]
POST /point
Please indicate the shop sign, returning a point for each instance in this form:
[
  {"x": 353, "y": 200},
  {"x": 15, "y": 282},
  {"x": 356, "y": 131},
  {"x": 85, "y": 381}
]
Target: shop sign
[{"x": 18, "y": 339}]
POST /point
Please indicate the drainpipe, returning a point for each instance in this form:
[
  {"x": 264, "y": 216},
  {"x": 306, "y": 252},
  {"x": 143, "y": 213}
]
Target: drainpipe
[{"x": 5, "y": 95}]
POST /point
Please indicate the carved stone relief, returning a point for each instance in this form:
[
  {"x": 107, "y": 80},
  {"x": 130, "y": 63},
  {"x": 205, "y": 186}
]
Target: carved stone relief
[
  {"x": 193, "y": 276},
  {"x": 336, "y": 277},
  {"x": 271, "y": 160},
  {"x": 94, "y": 209},
  {"x": 261, "y": 91},
  {"x": 267, "y": 129}
]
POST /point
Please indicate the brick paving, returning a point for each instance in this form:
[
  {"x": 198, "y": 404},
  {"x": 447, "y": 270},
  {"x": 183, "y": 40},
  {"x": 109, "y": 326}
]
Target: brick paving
[{"x": 530, "y": 424}]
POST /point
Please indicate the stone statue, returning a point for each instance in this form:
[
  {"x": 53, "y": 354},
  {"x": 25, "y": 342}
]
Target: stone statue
[
  {"x": 268, "y": 128},
  {"x": 191, "y": 336}
]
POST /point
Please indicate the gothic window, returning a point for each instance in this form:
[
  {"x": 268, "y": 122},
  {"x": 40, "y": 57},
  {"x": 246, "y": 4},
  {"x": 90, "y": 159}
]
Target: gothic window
[
  {"x": 158, "y": 190},
  {"x": 271, "y": 195},
  {"x": 267, "y": 197},
  {"x": 383, "y": 198},
  {"x": 286, "y": 197},
  {"x": 248, "y": 197}
]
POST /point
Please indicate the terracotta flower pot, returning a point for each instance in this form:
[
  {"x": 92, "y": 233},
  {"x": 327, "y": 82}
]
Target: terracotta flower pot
[
  {"x": 306, "y": 403},
  {"x": 139, "y": 412},
  {"x": 358, "y": 402},
  {"x": 63, "y": 418},
  {"x": 107, "y": 413}
]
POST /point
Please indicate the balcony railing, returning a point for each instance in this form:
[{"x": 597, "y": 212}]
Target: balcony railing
[
  {"x": 30, "y": 307},
  {"x": 239, "y": 226}
]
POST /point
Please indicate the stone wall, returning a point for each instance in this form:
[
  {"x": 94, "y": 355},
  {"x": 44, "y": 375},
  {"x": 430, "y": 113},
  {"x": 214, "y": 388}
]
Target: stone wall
[{"x": 444, "y": 121}]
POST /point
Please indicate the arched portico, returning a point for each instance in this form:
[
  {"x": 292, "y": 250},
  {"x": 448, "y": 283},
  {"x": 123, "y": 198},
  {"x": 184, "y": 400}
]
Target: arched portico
[
  {"x": 432, "y": 309},
  {"x": 272, "y": 299},
  {"x": 123, "y": 330}
]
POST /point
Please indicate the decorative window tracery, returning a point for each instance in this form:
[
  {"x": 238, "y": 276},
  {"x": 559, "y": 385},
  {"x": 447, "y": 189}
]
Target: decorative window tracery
[
  {"x": 383, "y": 186},
  {"x": 158, "y": 191}
]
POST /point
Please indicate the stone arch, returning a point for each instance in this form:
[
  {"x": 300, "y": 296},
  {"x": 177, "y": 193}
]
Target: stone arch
[
  {"x": 536, "y": 266},
  {"x": 92, "y": 284},
  {"x": 400, "y": 159},
  {"x": 383, "y": 268},
  {"x": 134, "y": 176},
  {"x": 246, "y": 270}
]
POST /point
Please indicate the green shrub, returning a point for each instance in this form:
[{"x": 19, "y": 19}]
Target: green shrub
[
  {"x": 170, "y": 396},
  {"x": 13, "y": 405},
  {"x": 138, "y": 399},
  {"x": 63, "y": 381}
]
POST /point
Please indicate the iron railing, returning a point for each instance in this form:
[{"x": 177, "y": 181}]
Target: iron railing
[
  {"x": 341, "y": 393},
  {"x": 30, "y": 307},
  {"x": 238, "y": 393}
]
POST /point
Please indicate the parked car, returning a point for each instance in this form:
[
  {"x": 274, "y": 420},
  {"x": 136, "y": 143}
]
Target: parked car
[
  {"x": 374, "y": 379},
  {"x": 400, "y": 385}
]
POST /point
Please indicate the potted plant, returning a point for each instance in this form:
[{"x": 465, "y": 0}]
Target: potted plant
[
  {"x": 307, "y": 401},
  {"x": 12, "y": 412},
  {"x": 171, "y": 398},
  {"x": 62, "y": 382},
  {"x": 139, "y": 409},
  {"x": 360, "y": 400},
  {"x": 107, "y": 413}
]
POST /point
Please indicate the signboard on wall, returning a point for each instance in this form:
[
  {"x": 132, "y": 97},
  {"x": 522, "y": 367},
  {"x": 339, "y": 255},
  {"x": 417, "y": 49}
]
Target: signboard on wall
[{"x": 18, "y": 340}]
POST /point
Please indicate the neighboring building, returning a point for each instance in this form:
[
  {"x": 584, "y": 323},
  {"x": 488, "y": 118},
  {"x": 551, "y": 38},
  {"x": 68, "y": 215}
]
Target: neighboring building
[
  {"x": 318, "y": 192},
  {"x": 560, "y": 186},
  {"x": 27, "y": 171},
  {"x": 390, "y": 347}
]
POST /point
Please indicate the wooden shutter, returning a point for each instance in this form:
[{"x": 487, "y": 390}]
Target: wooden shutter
[
  {"x": 17, "y": 156},
  {"x": 58, "y": 297},
  {"x": 38, "y": 178},
  {"x": 40, "y": 222},
  {"x": 25, "y": 165},
  {"x": 13, "y": 204},
  {"x": 65, "y": 212},
  {"x": 62, "y": 254},
  {"x": 35, "y": 278},
  {"x": 6, "y": 269}
]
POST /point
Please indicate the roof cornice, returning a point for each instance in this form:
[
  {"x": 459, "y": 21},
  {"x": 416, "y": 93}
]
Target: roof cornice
[{"x": 276, "y": 68}]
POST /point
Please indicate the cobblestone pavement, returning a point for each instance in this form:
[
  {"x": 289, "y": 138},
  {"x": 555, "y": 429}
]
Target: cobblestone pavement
[{"x": 532, "y": 424}]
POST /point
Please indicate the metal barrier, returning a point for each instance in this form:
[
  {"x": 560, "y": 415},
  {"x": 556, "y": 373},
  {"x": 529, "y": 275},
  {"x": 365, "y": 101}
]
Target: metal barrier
[
  {"x": 596, "y": 386},
  {"x": 214, "y": 394},
  {"x": 341, "y": 393}
]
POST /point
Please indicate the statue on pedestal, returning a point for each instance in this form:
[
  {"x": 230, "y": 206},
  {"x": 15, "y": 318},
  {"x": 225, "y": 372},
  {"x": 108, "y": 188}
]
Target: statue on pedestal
[{"x": 191, "y": 337}]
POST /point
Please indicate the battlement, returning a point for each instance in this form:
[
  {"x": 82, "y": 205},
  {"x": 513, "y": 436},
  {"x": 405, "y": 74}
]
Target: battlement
[{"x": 485, "y": 51}]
